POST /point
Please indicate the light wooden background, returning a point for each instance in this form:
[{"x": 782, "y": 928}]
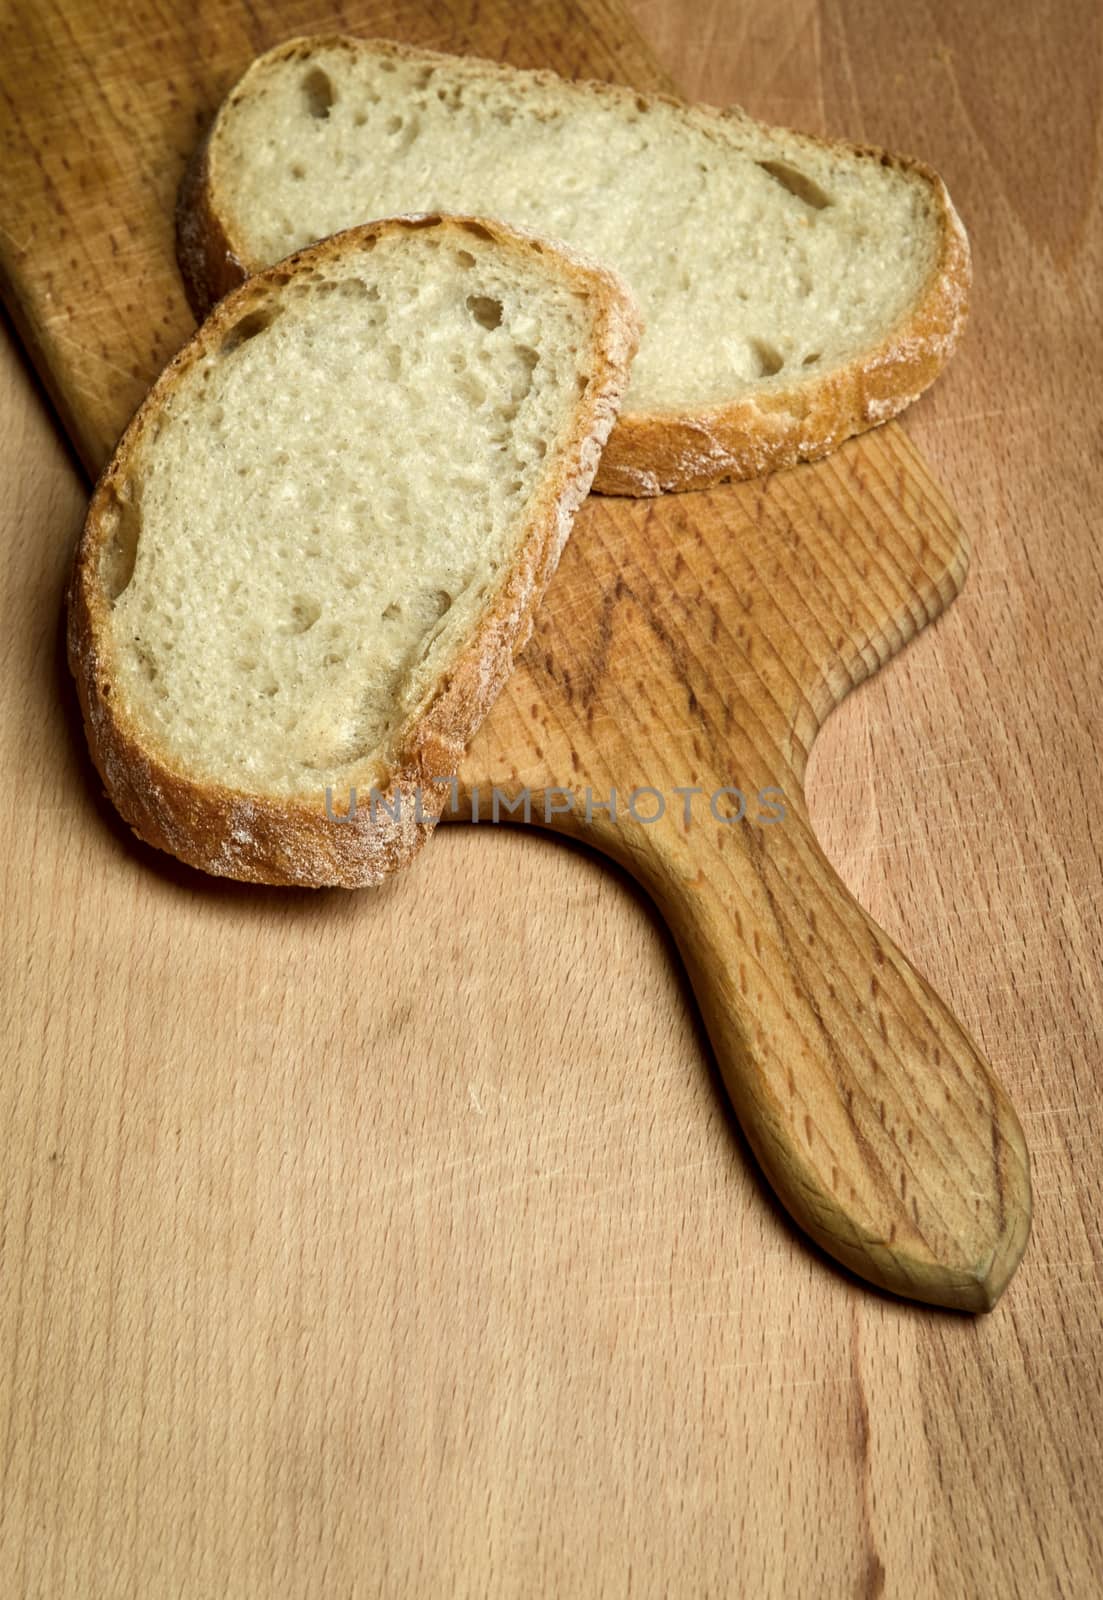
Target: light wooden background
[{"x": 497, "y": 1303}]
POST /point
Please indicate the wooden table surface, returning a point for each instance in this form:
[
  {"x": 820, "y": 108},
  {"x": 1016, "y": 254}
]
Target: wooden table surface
[{"x": 501, "y": 1305}]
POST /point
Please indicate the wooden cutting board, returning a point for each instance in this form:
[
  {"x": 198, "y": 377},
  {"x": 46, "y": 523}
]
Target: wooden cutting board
[{"x": 690, "y": 646}]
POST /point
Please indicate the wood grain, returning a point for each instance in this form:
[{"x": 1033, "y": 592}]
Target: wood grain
[
  {"x": 880, "y": 1125},
  {"x": 489, "y": 1299},
  {"x": 693, "y": 647}
]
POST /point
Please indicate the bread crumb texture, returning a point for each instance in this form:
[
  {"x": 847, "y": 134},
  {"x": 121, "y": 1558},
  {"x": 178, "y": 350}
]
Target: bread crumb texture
[
  {"x": 327, "y": 499},
  {"x": 759, "y": 258}
]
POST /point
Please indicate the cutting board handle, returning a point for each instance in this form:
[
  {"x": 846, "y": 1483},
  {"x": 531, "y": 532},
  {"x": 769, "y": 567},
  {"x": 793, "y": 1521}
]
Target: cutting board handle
[{"x": 872, "y": 1112}]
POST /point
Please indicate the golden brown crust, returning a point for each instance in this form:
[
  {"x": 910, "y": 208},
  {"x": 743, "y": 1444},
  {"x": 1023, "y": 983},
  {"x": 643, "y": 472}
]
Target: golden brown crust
[
  {"x": 272, "y": 839},
  {"x": 207, "y": 263},
  {"x": 650, "y": 452}
]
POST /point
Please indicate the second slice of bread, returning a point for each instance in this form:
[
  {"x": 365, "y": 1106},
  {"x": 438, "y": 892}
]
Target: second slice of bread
[
  {"x": 321, "y": 541},
  {"x": 793, "y": 291}
]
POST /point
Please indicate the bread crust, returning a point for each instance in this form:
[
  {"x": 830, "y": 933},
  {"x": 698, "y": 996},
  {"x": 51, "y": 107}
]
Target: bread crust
[
  {"x": 650, "y": 452},
  {"x": 207, "y": 262},
  {"x": 264, "y": 838}
]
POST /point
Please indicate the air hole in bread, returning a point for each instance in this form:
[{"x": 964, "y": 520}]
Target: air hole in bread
[
  {"x": 471, "y": 389},
  {"x": 477, "y": 230},
  {"x": 318, "y": 93},
  {"x": 770, "y": 360},
  {"x": 798, "y": 183},
  {"x": 146, "y": 663},
  {"x": 122, "y": 525},
  {"x": 811, "y": 358},
  {"x": 486, "y": 311},
  {"x": 305, "y": 612},
  {"x": 298, "y": 171},
  {"x": 252, "y": 323},
  {"x": 392, "y": 612},
  {"x": 354, "y": 289},
  {"x": 465, "y": 258},
  {"x": 394, "y": 124}
]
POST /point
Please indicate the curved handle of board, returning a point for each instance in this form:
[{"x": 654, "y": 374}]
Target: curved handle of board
[{"x": 872, "y": 1112}]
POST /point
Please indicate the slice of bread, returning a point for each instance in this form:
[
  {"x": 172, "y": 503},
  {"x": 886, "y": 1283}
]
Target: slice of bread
[
  {"x": 321, "y": 541},
  {"x": 794, "y": 292}
]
